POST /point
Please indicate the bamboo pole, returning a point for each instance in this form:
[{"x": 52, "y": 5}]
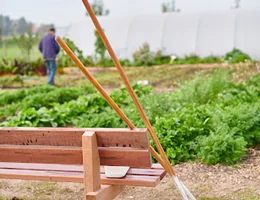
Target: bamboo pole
[
  {"x": 102, "y": 91},
  {"x": 167, "y": 164}
]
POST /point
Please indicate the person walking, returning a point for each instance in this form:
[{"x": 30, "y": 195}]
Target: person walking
[{"x": 49, "y": 48}]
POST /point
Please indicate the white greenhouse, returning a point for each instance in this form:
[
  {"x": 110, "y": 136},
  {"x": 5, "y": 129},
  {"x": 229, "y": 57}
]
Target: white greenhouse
[{"x": 180, "y": 34}]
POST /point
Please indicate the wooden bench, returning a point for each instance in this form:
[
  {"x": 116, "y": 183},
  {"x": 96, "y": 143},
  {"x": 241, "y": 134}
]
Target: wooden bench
[{"x": 79, "y": 155}]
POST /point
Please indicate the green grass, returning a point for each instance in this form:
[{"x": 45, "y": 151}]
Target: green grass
[
  {"x": 158, "y": 77},
  {"x": 163, "y": 77},
  {"x": 167, "y": 77},
  {"x": 13, "y": 52}
]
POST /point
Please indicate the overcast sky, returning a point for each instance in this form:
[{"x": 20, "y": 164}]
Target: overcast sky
[{"x": 63, "y": 12}]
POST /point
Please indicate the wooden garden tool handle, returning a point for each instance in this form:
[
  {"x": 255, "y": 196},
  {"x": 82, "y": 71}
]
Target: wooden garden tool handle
[
  {"x": 102, "y": 91},
  {"x": 167, "y": 165},
  {"x": 92, "y": 79}
]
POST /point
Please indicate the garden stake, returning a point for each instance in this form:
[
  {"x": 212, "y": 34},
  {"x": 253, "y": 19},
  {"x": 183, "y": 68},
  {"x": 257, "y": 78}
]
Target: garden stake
[
  {"x": 102, "y": 91},
  {"x": 167, "y": 164}
]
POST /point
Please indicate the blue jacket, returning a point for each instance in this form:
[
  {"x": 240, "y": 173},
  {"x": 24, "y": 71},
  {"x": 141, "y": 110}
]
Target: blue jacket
[{"x": 49, "y": 47}]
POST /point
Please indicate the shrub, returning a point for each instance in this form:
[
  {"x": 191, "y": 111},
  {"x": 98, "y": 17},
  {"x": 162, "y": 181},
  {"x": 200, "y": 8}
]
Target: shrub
[
  {"x": 203, "y": 89},
  {"x": 211, "y": 118},
  {"x": 22, "y": 67},
  {"x": 64, "y": 60},
  {"x": 236, "y": 56},
  {"x": 144, "y": 56},
  {"x": 224, "y": 145}
]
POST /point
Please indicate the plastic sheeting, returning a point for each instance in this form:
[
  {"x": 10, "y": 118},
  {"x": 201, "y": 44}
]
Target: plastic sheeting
[
  {"x": 180, "y": 34},
  {"x": 215, "y": 34},
  {"x": 247, "y": 33},
  {"x": 144, "y": 29}
]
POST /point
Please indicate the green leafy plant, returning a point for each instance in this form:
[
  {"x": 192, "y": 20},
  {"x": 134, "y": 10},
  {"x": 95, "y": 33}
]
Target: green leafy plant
[
  {"x": 225, "y": 146},
  {"x": 210, "y": 118},
  {"x": 22, "y": 67},
  {"x": 26, "y": 41},
  {"x": 236, "y": 56},
  {"x": 100, "y": 48},
  {"x": 144, "y": 56},
  {"x": 64, "y": 60},
  {"x": 203, "y": 89}
]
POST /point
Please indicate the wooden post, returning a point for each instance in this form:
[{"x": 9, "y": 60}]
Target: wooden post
[{"x": 91, "y": 163}]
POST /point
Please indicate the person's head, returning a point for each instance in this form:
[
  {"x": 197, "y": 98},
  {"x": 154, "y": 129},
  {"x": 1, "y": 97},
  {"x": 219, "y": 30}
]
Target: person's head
[{"x": 52, "y": 30}]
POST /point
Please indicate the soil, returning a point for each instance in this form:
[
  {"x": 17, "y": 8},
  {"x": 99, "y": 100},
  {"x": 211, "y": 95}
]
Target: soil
[{"x": 239, "y": 182}]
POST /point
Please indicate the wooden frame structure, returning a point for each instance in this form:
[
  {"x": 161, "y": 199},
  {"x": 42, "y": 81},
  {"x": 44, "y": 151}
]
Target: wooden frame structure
[{"x": 79, "y": 155}]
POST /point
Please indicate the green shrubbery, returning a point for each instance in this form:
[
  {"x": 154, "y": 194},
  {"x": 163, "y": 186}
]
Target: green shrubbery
[
  {"x": 22, "y": 67},
  {"x": 210, "y": 118},
  {"x": 142, "y": 57},
  {"x": 145, "y": 57},
  {"x": 236, "y": 56}
]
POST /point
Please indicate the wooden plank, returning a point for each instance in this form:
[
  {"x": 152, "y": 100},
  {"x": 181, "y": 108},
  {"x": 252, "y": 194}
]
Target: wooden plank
[
  {"x": 158, "y": 166},
  {"x": 156, "y": 169},
  {"x": 131, "y": 180},
  {"x": 42, "y": 175},
  {"x": 106, "y": 192},
  {"x": 130, "y": 138},
  {"x": 41, "y": 154},
  {"x": 108, "y": 137},
  {"x": 122, "y": 157},
  {"x": 91, "y": 163},
  {"x": 73, "y": 155},
  {"x": 41, "y": 167}
]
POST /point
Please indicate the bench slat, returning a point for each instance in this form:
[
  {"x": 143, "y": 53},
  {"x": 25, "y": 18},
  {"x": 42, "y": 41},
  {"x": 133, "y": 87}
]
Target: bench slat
[
  {"x": 137, "y": 138},
  {"x": 73, "y": 155},
  {"x": 132, "y": 180},
  {"x": 125, "y": 157},
  {"x": 156, "y": 170}
]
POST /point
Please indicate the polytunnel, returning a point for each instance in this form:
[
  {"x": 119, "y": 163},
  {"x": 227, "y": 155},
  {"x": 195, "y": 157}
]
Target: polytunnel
[{"x": 180, "y": 34}]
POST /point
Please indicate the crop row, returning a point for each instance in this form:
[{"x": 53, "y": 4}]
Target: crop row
[{"x": 210, "y": 118}]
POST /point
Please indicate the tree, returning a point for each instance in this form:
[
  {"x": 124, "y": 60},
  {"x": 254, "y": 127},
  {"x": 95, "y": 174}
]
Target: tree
[
  {"x": 26, "y": 41},
  {"x": 1, "y": 28},
  {"x": 22, "y": 25},
  {"x": 7, "y": 23},
  {"x": 44, "y": 28},
  {"x": 1, "y": 35},
  {"x": 170, "y": 7},
  {"x": 100, "y": 48},
  {"x": 99, "y": 8},
  {"x": 10, "y": 27},
  {"x": 237, "y": 4}
]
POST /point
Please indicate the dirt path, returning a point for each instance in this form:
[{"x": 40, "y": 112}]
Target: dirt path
[
  {"x": 240, "y": 182},
  {"x": 220, "y": 182}
]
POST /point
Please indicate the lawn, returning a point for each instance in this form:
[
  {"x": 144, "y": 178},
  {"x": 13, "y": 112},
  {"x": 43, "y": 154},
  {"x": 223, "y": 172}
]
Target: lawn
[
  {"x": 162, "y": 78},
  {"x": 13, "y": 52}
]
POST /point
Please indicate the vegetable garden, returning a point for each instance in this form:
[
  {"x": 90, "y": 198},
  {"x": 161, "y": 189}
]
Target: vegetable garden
[{"x": 210, "y": 118}]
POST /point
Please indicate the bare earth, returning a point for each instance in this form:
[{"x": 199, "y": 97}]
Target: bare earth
[{"x": 239, "y": 182}]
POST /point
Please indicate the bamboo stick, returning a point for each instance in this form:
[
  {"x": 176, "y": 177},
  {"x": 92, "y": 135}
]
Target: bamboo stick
[
  {"x": 167, "y": 165},
  {"x": 102, "y": 91}
]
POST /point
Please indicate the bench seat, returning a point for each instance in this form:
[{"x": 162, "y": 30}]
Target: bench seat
[
  {"x": 79, "y": 155},
  {"x": 74, "y": 173}
]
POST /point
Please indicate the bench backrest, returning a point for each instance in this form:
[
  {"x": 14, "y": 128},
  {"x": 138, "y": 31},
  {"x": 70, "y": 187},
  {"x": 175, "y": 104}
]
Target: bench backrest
[{"x": 117, "y": 147}]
